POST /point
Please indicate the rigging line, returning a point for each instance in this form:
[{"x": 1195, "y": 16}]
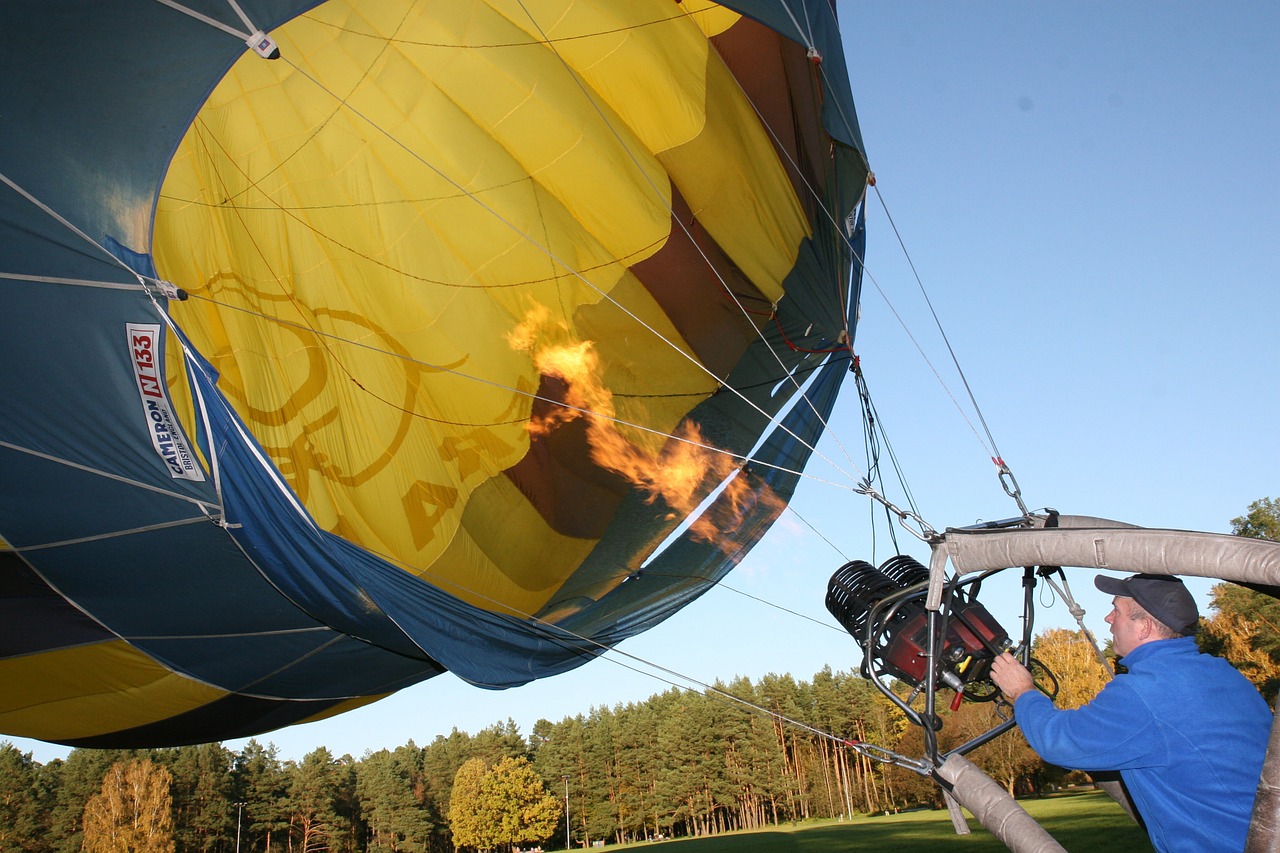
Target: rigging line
[
  {"x": 243, "y": 17},
  {"x": 278, "y": 632},
  {"x": 696, "y": 244},
  {"x": 995, "y": 451},
  {"x": 881, "y": 438},
  {"x": 557, "y": 635},
  {"x": 727, "y": 698},
  {"x": 847, "y": 121},
  {"x": 920, "y": 349},
  {"x": 213, "y": 22},
  {"x": 716, "y": 694},
  {"x": 114, "y": 534},
  {"x": 205, "y": 506},
  {"x": 70, "y": 226},
  {"x": 805, "y": 32},
  {"x": 571, "y": 271},
  {"x": 720, "y": 584},
  {"x": 79, "y": 282},
  {"x": 991, "y": 449}
]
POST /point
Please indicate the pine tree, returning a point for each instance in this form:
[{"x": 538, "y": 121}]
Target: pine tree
[
  {"x": 261, "y": 784},
  {"x": 391, "y": 793},
  {"x": 21, "y": 809},
  {"x": 320, "y": 803},
  {"x": 202, "y": 794}
]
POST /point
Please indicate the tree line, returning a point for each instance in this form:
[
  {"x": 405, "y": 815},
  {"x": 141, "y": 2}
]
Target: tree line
[{"x": 681, "y": 763}]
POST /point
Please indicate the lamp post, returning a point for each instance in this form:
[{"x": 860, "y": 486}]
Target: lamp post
[
  {"x": 239, "y": 813},
  {"x": 565, "y": 777}
]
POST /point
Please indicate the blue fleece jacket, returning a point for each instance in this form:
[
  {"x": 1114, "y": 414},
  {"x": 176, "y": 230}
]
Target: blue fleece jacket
[{"x": 1186, "y": 731}]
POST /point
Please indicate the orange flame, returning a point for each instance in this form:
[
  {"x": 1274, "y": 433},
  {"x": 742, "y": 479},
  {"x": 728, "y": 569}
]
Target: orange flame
[{"x": 682, "y": 474}]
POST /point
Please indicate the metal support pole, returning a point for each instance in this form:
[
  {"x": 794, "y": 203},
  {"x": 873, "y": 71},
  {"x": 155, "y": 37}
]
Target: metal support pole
[
  {"x": 565, "y": 776},
  {"x": 239, "y": 814}
]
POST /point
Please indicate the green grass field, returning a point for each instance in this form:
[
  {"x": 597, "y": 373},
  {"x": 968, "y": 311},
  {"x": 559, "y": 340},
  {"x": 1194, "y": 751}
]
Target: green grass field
[{"x": 1084, "y": 820}]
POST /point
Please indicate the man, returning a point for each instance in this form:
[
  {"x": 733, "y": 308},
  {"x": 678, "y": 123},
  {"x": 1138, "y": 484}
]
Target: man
[{"x": 1187, "y": 732}]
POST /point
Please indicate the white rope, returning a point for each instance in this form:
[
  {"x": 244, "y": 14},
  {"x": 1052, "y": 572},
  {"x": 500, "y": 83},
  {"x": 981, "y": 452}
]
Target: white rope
[
  {"x": 261, "y": 43},
  {"x": 214, "y": 22},
  {"x": 205, "y": 506},
  {"x": 243, "y": 17},
  {"x": 66, "y": 223},
  {"x": 806, "y": 32},
  {"x": 1077, "y": 613},
  {"x": 114, "y": 534},
  {"x": 79, "y": 282}
]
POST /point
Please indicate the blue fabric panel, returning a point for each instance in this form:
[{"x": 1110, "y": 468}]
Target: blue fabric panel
[
  {"x": 34, "y": 618},
  {"x": 179, "y": 581},
  {"x": 312, "y": 665},
  {"x": 70, "y": 391},
  {"x": 57, "y": 503}
]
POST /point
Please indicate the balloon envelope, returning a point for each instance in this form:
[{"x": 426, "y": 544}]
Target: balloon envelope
[{"x": 461, "y": 336}]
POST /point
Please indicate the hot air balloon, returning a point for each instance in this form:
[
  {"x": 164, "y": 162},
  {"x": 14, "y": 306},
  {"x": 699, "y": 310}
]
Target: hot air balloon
[{"x": 350, "y": 343}]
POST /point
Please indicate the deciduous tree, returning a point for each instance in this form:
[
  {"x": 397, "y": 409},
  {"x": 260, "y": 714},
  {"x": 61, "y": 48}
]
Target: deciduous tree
[
  {"x": 507, "y": 804},
  {"x": 133, "y": 813},
  {"x": 1245, "y": 627},
  {"x": 467, "y": 819},
  {"x": 1071, "y": 658}
]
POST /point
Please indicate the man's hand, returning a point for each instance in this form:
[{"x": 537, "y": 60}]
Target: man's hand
[{"x": 1011, "y": 677}]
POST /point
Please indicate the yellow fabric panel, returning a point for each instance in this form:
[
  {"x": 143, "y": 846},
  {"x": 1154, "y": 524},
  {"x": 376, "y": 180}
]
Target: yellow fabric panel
[
  {"x": 343, "y": 707},
  {"x": 87, "y": 690},
  {"x": 644, "y": 59},
  {"x": 738, "y": 188},
  {"x": 370, "y": 226},
  {"x": 505, "y": 553}
]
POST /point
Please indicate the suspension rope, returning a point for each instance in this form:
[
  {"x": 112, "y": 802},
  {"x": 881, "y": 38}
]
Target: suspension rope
[
  {"x": 77, "y": 282},
  {"x": 1007, "y": 480},
  {"x": 252, "y": 35},
  {"x": 213, "y": 22},
  {"x": 1077, "y": 613},
  {"x": 205, "y": 506}
]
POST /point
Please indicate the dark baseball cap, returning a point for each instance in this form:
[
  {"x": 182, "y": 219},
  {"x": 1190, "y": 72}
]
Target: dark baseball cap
[{"x": 1163, "y": 596}]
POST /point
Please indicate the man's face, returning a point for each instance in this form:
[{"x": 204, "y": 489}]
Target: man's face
[{"x": 1127, "y": 633}]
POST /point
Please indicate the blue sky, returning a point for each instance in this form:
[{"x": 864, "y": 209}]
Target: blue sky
[{"x": 1090, "y": 193}]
